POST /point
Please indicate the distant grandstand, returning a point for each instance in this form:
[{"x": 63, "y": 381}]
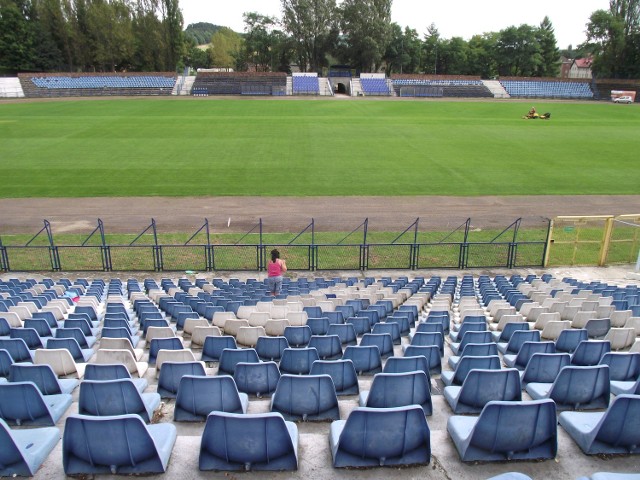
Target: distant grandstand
[{"x": 341, "y": 80}]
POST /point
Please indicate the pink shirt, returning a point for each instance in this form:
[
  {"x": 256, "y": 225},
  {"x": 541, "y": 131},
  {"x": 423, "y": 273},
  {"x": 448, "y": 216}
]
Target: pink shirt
[{"x": 274, "y": 269}]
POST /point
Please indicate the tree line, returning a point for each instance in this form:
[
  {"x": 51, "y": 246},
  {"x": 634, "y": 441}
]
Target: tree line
[{"x": 147, "y": 35}]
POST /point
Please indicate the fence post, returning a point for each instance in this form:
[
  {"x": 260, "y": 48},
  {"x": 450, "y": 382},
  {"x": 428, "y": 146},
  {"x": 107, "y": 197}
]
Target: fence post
[
  {"x": 4, "y": 259},
  {"x": 606, "y": 242},
  {"x": 547, "y": 247}
]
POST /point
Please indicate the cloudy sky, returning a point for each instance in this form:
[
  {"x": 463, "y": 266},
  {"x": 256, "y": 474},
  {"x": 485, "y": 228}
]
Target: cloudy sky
[{"x": 453, "y": 18}]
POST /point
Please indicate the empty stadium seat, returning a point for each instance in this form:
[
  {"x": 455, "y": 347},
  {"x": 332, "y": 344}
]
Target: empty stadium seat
[
  {"x": 198, "y": 396},
  {"x": 306, "y": 398},
  {"x": 22, "y": 452}
]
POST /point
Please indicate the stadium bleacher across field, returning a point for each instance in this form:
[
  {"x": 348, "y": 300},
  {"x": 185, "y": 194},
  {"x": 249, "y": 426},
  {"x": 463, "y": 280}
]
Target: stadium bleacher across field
[
  {"x": 254, "y": 397},
  {"x": 240, "y": 83},
  {"x": 305, "y": 85},
  {"x": 61, "y": 85},
  {"x": 547, "y": 89},
  {"x": 432, "y": 86}
]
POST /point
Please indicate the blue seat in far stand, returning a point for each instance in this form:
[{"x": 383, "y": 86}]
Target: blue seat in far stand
[
  {"x": 23, "y": 451},
  {"x": 374, "y": 437},
  {"x": 237, "y": 442},
  {"x": 120, "y": 444}
]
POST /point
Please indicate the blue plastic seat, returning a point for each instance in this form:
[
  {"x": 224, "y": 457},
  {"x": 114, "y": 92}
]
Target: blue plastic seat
[
  {"x": 157, "y": 344},
  {"x": 427, "y": 327},
  {"x": 30, "y": 337},
  {"x": 472, "y": 336},
  {"x": 570, "y": 338},
  {"x": 467, "y": 326},
  {"x": 230, "y": 357},
  {"x": 83, "y": 340},
  {"x": 297, "y": 336},
  {"x": 88, "y": 310},
  {"x": 5, "y": 363},
  {"x": 116, "y": 397},
  {"x": 342, "y": 372},
  {"x": 473, "y": 349},
  {"x": 43, "y": 377},
  {"x": 428, "y": 339},
  {"x": 306, "y": 398},
  {"x": 22, "y": 452},
  {"x": 172, "y": 372},
  {"x": 114, "y": 371},
  {"x": 18, "y": 349},
  {"x": 360, "y": 324},
  {"x": 213, "y": 347},
  {"x": 120, "y": 444},
  {"x": 198, "y": 396},
  {"x": 298, "y": 361},
  {"x": 390, "y": 328},
  {"x": 503, "y": 336},
  {"x": 121, "y": 332},
  {"x": 544, "y": 367},
  {"x": 527, "y": 350},
  {"x": 612, "y": 431},
  {"x": 576, "y": 388},
  {"x": 408, "y": 364},
  {"x": 83, "y": 324},
  {"x": 398, "y": 390},
  {"x": 318, "y": 325},
  {"x": 524, "y": 430},
  {"x": 598, "y": 327},
  {"x": 466, "y": 364},
  {"x": 366, "y": 359},
  {"x": 430, "y": 352},
  {"x": 22, "y": 403},
  {"x": 40, "y": 325},
  {"x": 328, "y": 346},
  {"x": 590, "y": 352},
  {"x": 374, "y": 437},
  {"x": 236, "y": 442},
  {"x": 483, "y": 386},
  {"x": 383, "y": 341},
  {"x": 345, "y": 331},
  {"x": 623, "y": 366},
  {"x": 518, "y": 338},
  {"x": 271, "y": 348},
  {"x": 257, "y": 379},
  {"x": 81, "y": 355}
]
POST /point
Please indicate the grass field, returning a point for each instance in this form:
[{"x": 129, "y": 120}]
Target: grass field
[{"x": 176, "y": 147}]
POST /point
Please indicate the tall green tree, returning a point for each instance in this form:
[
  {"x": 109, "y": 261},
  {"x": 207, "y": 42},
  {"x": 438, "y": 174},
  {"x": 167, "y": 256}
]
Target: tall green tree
[
  {"x": 517, "y": 51},
  {"x": 260, "y": 41},
  {"x": 174, "y": 38},
  {"x": 225, "y": 47},
  {"x": 546, "y": 38},
  {"x": 366, "y": 30},
  {"x": 430, "y": 48},
  {"x": 404, "y": 50},
  {"x": 313, "y": 24},
  {"x": 17, "y": 35}
]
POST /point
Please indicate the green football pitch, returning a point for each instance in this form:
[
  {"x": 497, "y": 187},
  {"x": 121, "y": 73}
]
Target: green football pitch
[{"x": 206, "y": 146}]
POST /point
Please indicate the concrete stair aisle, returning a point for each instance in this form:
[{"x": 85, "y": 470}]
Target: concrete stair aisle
[
  {"x": 289, "y": 86},
  {"x": 496, "y": 88},
  {"x": 324, "y": 86},
  {"x": 356, "y": 88},
  {"x": 11, "y": 87}
]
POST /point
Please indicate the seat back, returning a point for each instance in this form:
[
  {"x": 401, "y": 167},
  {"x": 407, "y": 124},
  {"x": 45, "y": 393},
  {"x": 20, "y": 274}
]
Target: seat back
[
  {"x": 342, "y": 372},
  {"x": 157, "y": 344},
  {"x": 431, "y": 353},
  {"x": 623, "y": 366},
  {"x": 17, "y": 348},
  {"x": 618, "y": 427},
  {"x": 42, "y": 376},
  {"x": 510, "y": 328},
  {"x": 298, "y": 361},
  {"x": 525, "y": 429},
  {"x": 529, "y": 348},
  {"x": 483, "y": 386},
  {"x": 306, "y": 397},
  {"x": 110, "y": 397},
  {"x": 319, "y": 325},
  {"x": 407, "y": 364},
  {"x": 40, "y": 325},
  {"x": 297, "y": 336},
  {"x": 114, "y": 371},
  {"x": 383, "y": 341},
  {"x": 256, "y": 378},
  {"x": 29, "y": 335},
  {"x": 5, "y": 363},
  {"x": 234, "y": 441},
  {"x": 111, "y": 444},
  {"x": 590, "y": 352},
  {"x": 200, "y": 395},
  {"x": 366, "y": 359},
  {"x": 75, "y": 333},
  {"x": 70, "y": 344},
  {"x": 578, "y": 386},
  {"x": 427, "y": 339},
  {"x": 23, "y": 403},
  {"x": 569, "y": 339},
  {"x": 520, "y": 337},
  {"x": 213, "y": 347},
  {"x": 230, "y": 357},
  {"x": 328, "y": 346},
  {"x": 406, "y": 439},
  {"x": 598, "y": 327},
  {"x": 468, "y": 363},
  {"x": 545, "y": 367},
  {"x": 345, "y": 331},
  {"x": 400, "y": 389},
  {"x": 60, "y": 360},
  {"x": 172, "y": 372},
  {"x": 271, "y": 348},
  {"x": 390, "y": 328},
  {"x": 80, "y": 323},
  {"x": 479, "y": 349}
]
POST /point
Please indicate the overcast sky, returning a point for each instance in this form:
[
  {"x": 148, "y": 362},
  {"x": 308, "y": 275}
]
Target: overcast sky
[{"x": 453, "y": 18}]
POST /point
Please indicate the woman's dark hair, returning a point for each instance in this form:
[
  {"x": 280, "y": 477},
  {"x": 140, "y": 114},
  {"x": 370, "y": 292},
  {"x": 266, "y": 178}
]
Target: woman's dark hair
[{"x": 274, "y": 254}]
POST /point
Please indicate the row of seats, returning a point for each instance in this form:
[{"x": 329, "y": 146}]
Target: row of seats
[
  {"x": 547, "y": 89},
  {"x": 243, "y": 83},
  {"x": 375, "y": 86},
  {"x": 305, "y": 85}
]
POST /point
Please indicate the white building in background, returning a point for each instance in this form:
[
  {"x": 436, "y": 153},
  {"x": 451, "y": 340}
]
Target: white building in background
[{"x": 581, "y": 68}]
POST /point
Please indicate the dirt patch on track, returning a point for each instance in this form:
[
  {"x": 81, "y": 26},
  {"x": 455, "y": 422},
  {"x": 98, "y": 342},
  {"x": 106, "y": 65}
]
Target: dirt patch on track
[{"x": 185, "y": 214}]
